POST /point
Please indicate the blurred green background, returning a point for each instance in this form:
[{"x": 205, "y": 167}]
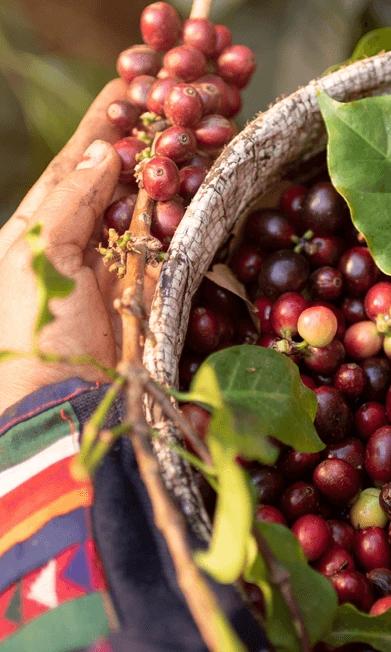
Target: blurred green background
[{"x": 55, "y": 56}]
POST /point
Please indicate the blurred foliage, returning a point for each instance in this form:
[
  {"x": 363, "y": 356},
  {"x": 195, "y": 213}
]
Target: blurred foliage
[{"x": 44, "y": 97}]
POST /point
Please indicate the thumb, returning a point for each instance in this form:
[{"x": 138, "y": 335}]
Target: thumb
[{"x": 69, "y": 212}]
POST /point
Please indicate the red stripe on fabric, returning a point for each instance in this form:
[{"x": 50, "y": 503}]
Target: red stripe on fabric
[{"x": 38, "y": 492}]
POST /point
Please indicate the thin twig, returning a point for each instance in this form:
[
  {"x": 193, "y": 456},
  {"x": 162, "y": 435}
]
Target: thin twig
[
  {"x": 280, "y": 577},
  {"x": 200, "y": 9},
  {"x": 179, "y": 420}
]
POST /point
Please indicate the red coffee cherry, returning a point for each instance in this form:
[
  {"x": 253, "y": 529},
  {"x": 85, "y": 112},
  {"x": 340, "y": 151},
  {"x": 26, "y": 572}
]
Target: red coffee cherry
[
  {"x": 138, "y": 60},
  {"x": 160, "y": 25},
  {"x": 236, "y": 65}
]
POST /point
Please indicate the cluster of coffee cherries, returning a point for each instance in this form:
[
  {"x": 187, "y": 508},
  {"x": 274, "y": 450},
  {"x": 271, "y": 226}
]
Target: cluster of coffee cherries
[
  {"x": 185, "y": 86},
  {"x": 322, "y": 301}
]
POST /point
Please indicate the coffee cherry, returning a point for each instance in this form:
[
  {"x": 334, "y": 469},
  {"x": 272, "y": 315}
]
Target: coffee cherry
[
  {"x": 385, "y": 499},
  {"x": 362, "y": 340},
  {"x": 353, "y": 310},
  {"x": 291, "y": 203},
  {"x": 223, "y": 39},
  {"x": 166, "y": 218},
  {"x": 317, "y": 326},
  {"x": 378, "y": 456},
  {"x": 367, "y": 511},
  {"x": 269, "y": 514},
  {"x": 119, "y": 214},
  {"x": 210, "y": 96},
  {"x": 160, "y": 25},
  {"x": 269, "y": 484},
  {"x": 246, "y": 333},
  {"x": 268, "y": 229},
  {"x": 263, "y": 306},
  {"x": 285, "y": 313},
  {"x": 353, "y": 587},
  {"x": 358, "y": 270},
  {"x": 308, "y": 382},
  {"x": 295, "y": 465},
  {"x": 236, "y": 65},
  {"x": 185, "y": 62},
  {"x": 299, "y": 499},
  {"x": 324, "y": 250},
  {"x": 388, "y": 404},
  {"x": 233, "y": 103},
  {"x": 283, "y": 271},
  {"x": 333, "y": 420},
  {"x": 350, "y": 450},
  {"x": 188, "y": 365},
  {"x": 197, "y": 417},
  {"x": 325, "y": 360},
  {"x": 313, "y": 535},
  {"x": 378, "y": 300},
  {"x": 342, "y": 534},
  {"x": 326, "y": 283},
  {"x": 201, "y": 34},
  {"x": 161, "y": 178},
  {"x": 350, "y": 379},
  {"x": 203, "y": 330},
  {"x": 378, "y": 373},
  {"x": 323, "y": 209},
  {"x": 139, "y": 89},
  {"x": 191, "y": 177},
  {"x": 368, "y": 418},
  {"x": 219, "y": 298},
  {"x": 204, "y": 160},
  {"x": 381, "y": 606},
  {"x": 183, "y": 105},
  {"x": 341, "y": 328},
  {"x": 247, "y": 262},
  {"x": 123, "y": 114},
  {"x": 213, "y": 131},
  {"x": 380, "y": 578},
  {"x": 177, "y": 143},
  {"x": 128, "y": 148},
  {"x": 338, "y": 480},
  {"x": 138, "y": 60},
  {"x": 335, "y": 560},
  {"x": 158, "y": 93},
  {"x": 372, "y": 549}
]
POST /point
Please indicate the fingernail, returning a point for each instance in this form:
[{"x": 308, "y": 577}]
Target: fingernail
[{"x": 93, "y": 155}]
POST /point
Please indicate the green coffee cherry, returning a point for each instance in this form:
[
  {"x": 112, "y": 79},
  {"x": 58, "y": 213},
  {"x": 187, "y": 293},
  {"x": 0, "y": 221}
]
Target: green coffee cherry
[{"x": 366, "y": 511}]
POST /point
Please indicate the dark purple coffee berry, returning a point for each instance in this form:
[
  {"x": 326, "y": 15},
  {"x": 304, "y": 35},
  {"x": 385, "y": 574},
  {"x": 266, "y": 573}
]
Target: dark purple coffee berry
[
  {"x": 338, "y": 480},
  {"x": 283, "y": 271},
  {"x": 326, "y": 283},
  {"x": 203, "y": 330},
  {"x": 119, "y": 214},
  {"x": 358, "y": 270},
  {"x": 350, "y": 379},
  {"x": 378, "y": 456},
  {"x": 323, "y": 209},
  {"x": 299, "y": 499},
  {"x": 269, "y": 229},
  {"x": 333, "y": 420}
]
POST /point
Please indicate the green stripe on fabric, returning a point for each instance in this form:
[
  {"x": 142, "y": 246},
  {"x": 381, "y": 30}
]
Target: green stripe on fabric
[
  {"x": 33, "y": 435},
  {"x": 68, "y": 627}
]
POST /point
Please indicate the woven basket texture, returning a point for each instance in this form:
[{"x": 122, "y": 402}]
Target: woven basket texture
[{"x": 262, "y": 154}]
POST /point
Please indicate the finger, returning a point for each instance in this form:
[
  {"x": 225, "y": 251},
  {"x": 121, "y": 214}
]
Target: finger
[
  {"x": 70, "y": 210},
  {"x": 95, "y": 125}
]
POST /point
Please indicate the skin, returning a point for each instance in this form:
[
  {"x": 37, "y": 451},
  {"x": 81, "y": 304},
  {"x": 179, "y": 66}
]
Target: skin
[{"x": 69, "y": 198}]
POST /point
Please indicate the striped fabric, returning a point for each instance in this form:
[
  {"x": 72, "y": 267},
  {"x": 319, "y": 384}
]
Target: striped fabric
[{"x": 53, "y": 593}]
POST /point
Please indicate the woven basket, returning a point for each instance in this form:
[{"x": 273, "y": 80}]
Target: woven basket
[{"x": 273, "y": 146}]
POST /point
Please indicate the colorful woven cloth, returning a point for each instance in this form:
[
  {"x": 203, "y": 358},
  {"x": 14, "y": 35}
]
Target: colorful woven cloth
[
  {"x": 55, "y": 532},
  {"x": 53, "y": 590}
]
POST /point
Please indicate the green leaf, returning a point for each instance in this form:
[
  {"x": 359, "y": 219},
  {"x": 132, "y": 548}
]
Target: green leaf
[
  {"x": 350, "y": 625},
  {"x": 267, "y": 385},
  {"x": 359, "y": 162},
  {"x": 314, "y": 594},
  {"x": 226, "y": 557},
  {"x": 51, "y": 284},
  {"x": 374, "y": 42}
]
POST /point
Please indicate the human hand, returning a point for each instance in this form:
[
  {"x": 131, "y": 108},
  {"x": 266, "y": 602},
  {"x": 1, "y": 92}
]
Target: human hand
[{"x": 69, "y": 198}]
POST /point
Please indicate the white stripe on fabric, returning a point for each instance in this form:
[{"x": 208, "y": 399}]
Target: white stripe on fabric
[{"x": 59, "y": 450}]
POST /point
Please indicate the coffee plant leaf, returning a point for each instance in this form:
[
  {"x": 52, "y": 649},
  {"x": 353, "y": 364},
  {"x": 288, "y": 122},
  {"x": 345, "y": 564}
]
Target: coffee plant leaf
[
  {"x": 204, "y": 388},
  {"x": 353, "y": 626},
  {"x": 315, "y": 597},
  {"x": 374, "y": 42},
  {"x": 51, "y": 284},
  {"x": 359, "y": 162},
  {"x": 267, "y": 385},
  {"x": 226, "y": 557}
]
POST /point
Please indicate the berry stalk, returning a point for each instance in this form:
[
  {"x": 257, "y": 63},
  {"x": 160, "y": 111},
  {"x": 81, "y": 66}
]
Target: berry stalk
[{"x": 200, "y": 8}]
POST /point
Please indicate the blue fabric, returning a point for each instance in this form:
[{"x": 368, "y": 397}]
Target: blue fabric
[
  {"x": 54, "y": 537},
  {"x": 152, "y": 612}
]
